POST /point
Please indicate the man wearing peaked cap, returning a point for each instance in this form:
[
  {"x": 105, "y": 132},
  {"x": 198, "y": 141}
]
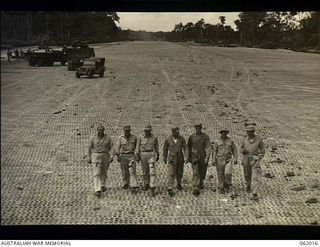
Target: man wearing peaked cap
[
  {"x": 253, "y": 151},
  {"x": 124, "y": 153},
  {"x": 148, "y": 127},
  {"x": 174, "y": 153},
  {"x": 147, "y": 151},
  {"x": 197, "y": 124},
  {"x": 250, "y": 128},
  {"x": 224, "y": 150},
  {"x": 199, "y": 150},
  {"x": 99, "y": 151}
]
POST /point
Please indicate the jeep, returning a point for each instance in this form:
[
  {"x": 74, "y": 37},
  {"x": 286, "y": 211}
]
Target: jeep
[{"x": 91, "y": 66}]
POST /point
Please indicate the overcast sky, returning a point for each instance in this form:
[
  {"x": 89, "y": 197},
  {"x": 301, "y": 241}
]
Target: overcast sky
[{"x": 162, "y": 21}]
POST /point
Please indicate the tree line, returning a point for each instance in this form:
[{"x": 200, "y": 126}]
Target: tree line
[
  {"x": 256, "y": 29},
  {"x": 295, "y": 30},
  {"x": 58, "y": 27}
]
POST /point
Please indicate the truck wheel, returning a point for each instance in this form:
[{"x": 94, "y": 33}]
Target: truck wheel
[
  {"x": 63, "y": 63},
  {"x": 77, "y": 74},
  {"x": 101, "y": 74},
  {"x": 90, "y": 74}
]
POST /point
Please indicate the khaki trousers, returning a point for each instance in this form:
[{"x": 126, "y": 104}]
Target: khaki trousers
[
  {"x": 175, "y": 170},
  {"x": 224, "y": 172},
  {"x": 128, "y": 169},
  {"x": 100, "y": 165},
  {"x": 199, "y": 169},
  {"x": 252, "y": 173},
  {"x": 148, "y": 169}
]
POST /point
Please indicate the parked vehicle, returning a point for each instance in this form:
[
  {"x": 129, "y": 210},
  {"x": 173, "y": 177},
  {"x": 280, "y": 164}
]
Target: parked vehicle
[
  {"x": 91, "y": 66},
  {"x": 76, "y": 53},
  {"x": 46, "y": 57}
]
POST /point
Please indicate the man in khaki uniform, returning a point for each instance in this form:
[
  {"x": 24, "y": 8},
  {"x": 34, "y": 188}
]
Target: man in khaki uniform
[
  {"x": 148, "y": 152},
  {"x": 199, "y": 149},
  {"x": 224, "y": 150},
  {"x": 253, "y": 151},
  {"x": 174, "y": 149},
  {"x": 99, "y": 148},
  {"x": 124, "y": 153}
]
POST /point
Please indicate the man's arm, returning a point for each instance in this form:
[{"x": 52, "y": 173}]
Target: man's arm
[
  {"x": 117, "y": 149},
  {"x": 137, "y": 151},
  {"x": 111, "y": 145},
  {"x": 214, "y": 152},
  {"x": 242, "y": 149},
  {"x": 156, "y": 147},
  {"x": 189, "y": 148},
  {"x": 234, "y": 152},
  {"x": 262, "y": 150},
  {"x": 89, "y": 150},
  {"x": 208, "y": 148},
  {"x": 184, "y": 149},
  {"x": 165, "y": 151}
]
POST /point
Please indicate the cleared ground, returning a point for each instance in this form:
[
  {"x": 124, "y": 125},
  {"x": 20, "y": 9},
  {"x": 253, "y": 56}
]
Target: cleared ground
[{"x": 44, "y": 176}]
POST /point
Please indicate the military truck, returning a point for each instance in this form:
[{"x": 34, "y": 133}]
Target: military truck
[
  {"x": 77, "y": 53},
  {"x": 91, "y": 66},
  {"x": 46, "y": 56}
]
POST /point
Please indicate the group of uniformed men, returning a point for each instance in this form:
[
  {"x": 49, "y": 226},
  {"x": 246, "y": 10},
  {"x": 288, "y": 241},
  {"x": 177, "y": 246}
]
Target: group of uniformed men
[{"x": 130, "y": 150}]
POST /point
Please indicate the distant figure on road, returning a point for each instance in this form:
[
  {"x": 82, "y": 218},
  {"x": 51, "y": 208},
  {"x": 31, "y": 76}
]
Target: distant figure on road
[
  {"x": 99, "y": 149},
  {"x": 124, "y": 153},
  {"x": 147, "y": 152},
  {"x": 9, "y": 55},
  {"x": 21, "y": 54},
  {"x": 199, "y": 149},
  {"x": 224, "y": 150},
  {"x": 174, "y": 153},
  {"x": 253, "y": 151},
  {"x": 16, "y": 54}
]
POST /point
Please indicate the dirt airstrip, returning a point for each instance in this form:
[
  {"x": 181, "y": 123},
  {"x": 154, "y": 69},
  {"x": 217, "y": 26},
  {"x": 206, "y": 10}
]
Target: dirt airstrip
[{"x": 47, "y": 116}]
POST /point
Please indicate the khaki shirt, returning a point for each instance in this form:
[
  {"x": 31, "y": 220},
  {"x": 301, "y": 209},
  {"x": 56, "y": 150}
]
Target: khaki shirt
[
  {"x": 147, "y": 144},
  {"x": 125, "y": 146},
  {"x": 224, "y": 149},
  {"x": 253, "y": 146},
  {"x": 174, "y": 149},
  {"x": 97, "y": 145},
  {"x": 199, "y": 146}
]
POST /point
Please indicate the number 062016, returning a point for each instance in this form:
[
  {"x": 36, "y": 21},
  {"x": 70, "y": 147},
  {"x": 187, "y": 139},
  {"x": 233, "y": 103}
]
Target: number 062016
[{"x": 306, "y": 243}]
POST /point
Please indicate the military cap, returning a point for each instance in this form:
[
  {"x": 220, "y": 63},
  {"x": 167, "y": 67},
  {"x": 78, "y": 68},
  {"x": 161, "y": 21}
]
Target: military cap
[
  {"x": 198, "y": 124},
  {"x": 148, "y": 127},
  {"x": 127, "y": 127},
  {"x": 224, "y": 130},
  {"x": 100, "y": 126},
  {"x": 175, "y": 128},
  {"x": 250, "y": 128}
]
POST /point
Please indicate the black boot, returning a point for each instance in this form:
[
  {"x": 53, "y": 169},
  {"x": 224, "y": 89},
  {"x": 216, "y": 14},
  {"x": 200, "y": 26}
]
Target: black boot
[
  {"x": 146, "y": 187},
  {"x": 153, "y": 192},
  {"x": 221, "y": 191},
  {"x": 196, "y": 192},
  {"x": 248, "y": 189},
  {"x": 201, "y": 185},
  {"x": 226, "y": 188},
  {"x": 170, "y": 192},
  {"x": 179, "y": 186},
  {"x": 134, "y": 191}
]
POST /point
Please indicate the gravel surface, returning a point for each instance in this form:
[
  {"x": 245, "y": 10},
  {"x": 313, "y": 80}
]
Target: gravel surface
[{"x": 47, "y": 116}]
